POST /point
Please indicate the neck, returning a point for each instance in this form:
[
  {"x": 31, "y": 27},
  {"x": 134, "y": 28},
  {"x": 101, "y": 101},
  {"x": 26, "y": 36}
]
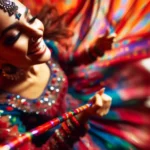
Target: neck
[
  {"x": 30, "y": 74},
  {"x": 31, "y": 85},
  {"x": 33, "y": 71}
]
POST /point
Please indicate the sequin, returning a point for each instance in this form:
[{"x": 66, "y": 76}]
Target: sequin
[{"x": 56, "y": 87}]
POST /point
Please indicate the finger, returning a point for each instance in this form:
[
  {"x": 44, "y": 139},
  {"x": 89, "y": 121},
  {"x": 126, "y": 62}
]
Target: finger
[
  {"x": 106, "y": 105},
  {"x": 105, "y": 97},
  {"x": 101, "y": 112},
  {"x": 104, "y": 109},
  {"x": 101, "y": 91},
  {"x": 98, "y": 101}
]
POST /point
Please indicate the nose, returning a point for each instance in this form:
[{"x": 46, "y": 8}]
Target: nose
[{"x": 34, "y": 30}]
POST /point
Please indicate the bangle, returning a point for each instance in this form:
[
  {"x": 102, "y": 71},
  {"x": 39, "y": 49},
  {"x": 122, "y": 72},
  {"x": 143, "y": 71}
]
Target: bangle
[
  {"x": 75, "y": 121},
  {"x": 66, "y": 128},
  {"x": 80, "y": 128},
  {"x": 70, "y": 125},
  {"x": 62, "y": 132},
  {"x": 60, "y": 137}
]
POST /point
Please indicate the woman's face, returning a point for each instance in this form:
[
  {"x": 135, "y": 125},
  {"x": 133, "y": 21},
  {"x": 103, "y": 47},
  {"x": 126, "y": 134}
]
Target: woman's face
[{"x": 21, "y": 41}]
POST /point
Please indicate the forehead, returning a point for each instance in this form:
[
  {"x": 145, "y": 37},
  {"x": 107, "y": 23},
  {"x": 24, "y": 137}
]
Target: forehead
[{"x": 6, "y": 20}]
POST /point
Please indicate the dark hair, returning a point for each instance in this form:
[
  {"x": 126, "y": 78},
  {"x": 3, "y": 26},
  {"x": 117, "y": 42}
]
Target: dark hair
[{"x": 54, "y": 23}]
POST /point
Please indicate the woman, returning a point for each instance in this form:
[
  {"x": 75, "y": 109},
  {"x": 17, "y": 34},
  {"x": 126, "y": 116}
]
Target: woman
[
  {"x": 33, "y": 87},
  {"x": 128, "y": 90},
  {"x": 120, "y": 69}
]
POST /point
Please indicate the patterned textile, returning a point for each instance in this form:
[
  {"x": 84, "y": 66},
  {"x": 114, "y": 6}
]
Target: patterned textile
[
  {"x": 127, "y": 125},
  {"x": 50, "y": 100}
]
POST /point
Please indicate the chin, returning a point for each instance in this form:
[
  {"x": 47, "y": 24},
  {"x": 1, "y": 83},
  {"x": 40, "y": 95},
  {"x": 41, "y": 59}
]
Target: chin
[
  {"x": 47, "y": 56},
  {"x": 44, "y": 58}
]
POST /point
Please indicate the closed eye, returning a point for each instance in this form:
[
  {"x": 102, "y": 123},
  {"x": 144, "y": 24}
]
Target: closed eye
[
  {"x": 29, "y": 17},
  {"x": 10, "y": 40},
  {"x": 32, "y": 19}
]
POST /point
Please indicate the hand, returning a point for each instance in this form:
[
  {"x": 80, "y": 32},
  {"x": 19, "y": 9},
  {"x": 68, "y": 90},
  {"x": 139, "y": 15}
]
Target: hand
[
  {"x": 101, "y": 104},
  {"x": 101, "y": 44}
]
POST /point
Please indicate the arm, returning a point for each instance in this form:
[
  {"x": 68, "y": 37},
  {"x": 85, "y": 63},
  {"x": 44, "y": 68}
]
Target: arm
[
  {"x": 63, "y": 51},
  {"x": 76, "y": 127},
  {"x": 72, "y": 129}
]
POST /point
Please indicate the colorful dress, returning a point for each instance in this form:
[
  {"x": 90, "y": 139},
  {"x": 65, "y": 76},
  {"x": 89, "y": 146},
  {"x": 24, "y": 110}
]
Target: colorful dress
[
  {"x": 127, "y": 124},
  {"x": 119, "y": 70}
]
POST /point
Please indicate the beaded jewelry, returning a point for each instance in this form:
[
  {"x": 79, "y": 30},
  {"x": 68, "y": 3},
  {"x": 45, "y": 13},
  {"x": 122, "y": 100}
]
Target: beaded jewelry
[
  {"x": 10, "y": 7},
  {"x": 43, "y": 128},
  {"x": 66, "y": 128},
  {"x": 59, "y": 136},
  {"x": 12, "y": 73},
  {"x": 70, "y": 125},
  {"x": 52, "y": 95},
  {"x": 75, "y": 121}
]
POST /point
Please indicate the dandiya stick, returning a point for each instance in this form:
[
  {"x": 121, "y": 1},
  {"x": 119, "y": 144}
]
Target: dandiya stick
[{"x": 26, "y": 137}]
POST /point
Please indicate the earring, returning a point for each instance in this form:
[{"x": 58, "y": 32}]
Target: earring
[{"x": 11, "y": 72}]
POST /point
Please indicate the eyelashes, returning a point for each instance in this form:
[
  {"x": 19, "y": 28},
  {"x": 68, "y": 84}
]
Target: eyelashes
[
  {"x": 33, "y": 19},
  {"x": 12, "y": 39}
]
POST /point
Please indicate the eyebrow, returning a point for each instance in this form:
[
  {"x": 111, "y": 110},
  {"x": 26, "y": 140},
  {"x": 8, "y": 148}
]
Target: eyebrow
[{"x": 13, "y": 25}]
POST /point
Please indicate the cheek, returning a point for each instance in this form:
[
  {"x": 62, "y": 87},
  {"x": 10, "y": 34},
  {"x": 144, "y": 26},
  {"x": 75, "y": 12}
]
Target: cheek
[
  {"x": 21, "y": 46},
  {"x": 16, "y": 54}
]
